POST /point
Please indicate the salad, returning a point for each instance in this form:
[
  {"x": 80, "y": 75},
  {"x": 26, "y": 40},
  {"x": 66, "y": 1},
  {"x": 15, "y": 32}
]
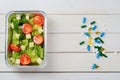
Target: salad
[{"x": 25, "y": 39}]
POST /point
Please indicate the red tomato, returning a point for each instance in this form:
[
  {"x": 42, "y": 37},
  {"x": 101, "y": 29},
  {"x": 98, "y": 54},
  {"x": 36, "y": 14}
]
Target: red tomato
[
  {"x": 38, "y": 19},
  {"x": 27, "y": 28},
  {"x": 38, "y": 39},
  {"x": 14, "y": 47},
  {"x": 25, "y": 59}
]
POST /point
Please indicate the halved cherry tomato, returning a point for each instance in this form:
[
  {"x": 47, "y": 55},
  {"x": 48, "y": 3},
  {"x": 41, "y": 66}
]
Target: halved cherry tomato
[
  {"x": 25, "y": 59},
  {"x": 27, "y": 28},
  {"x": 38, "y": 39},
  {"x": 14, "y": 47},
  {"x": 38, "y": 19}
]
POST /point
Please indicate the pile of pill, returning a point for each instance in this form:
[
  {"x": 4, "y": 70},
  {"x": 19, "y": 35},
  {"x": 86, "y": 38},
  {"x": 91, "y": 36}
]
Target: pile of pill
[{"x": 94, "y": 39}]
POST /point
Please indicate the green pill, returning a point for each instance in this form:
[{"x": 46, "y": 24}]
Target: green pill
[
  {"x": 83, "y": 26},
  {"x": 81, "y": 43},
  {"x": 93, "y": 22}
]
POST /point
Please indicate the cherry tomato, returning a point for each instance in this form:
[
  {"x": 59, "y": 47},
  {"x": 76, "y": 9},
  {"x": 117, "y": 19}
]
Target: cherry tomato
[
  {"x": 38, "y": 39},
  {"x": 27, "y": 28},
  {"x": 25, "y": 59},
  {"x": 38, "y": 19},
  {"x": 14, "y": 47}
]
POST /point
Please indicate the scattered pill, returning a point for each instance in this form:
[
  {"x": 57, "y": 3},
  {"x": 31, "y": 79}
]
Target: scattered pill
[
  {"x": 94, "y": 37},
  {"x": 93, "y": 22},
  {"x": 98, "y": 55},
  {"x": 88, "y": 47},
  {"x": 84, "y": 20},
  {"x": 94, "y": 27},
  {"x": 97, "y": 41},
  {"x": 102, "y": 49},
  {"x": 98, "y": 47},
  {"x": 87, "y": 34},
  {"x": 102, "y": 34},
  {"x": 83, "y": 26},
  {"x": 81, "y": 43},
  {"x": 100, "y": 40},
  {"x": 90, "y": 41},
  {"x": 103, "y": 55},
  {"x": 90, "y": 30},
  {"x": 95, "y": 66},
  {"x": 97, "y": 32}
]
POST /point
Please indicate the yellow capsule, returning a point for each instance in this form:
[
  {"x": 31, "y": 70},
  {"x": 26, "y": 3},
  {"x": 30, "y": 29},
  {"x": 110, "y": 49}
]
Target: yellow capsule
[
  {"x": 90, "y": 30},
  {"x": 97, "y": 32},
  {"x": 90, "y": 41},
  {"x": 102, "y": 49}
]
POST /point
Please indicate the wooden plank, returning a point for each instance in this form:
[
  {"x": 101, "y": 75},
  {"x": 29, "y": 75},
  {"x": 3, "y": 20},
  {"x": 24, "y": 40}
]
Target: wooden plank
[
  {"x": 70, "y": 62},
  {"x": 2, "y": 42},
  {"x": 70, "y": 43},
  {"x": 72, "y": 23},
  {"x": 2, "y": 23},
  {"x": 59, "y": 76},
  {"x": 68, "y": 6}
]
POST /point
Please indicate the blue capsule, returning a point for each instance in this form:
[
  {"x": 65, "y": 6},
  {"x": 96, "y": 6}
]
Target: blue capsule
[
  {"x": 88, "y": 47},
  {"x": 94, "y": 66},
  {"x": 102, "y": 34},
  {"x": 94, "y": 27},
  {"x": 87, "y": 34},
  {"x": 84, "y": 20},
  {"x": 98, "y": 55},
  {"x": 97, "y": 41}
]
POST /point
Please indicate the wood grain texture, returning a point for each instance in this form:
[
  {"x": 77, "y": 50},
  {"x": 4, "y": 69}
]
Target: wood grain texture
[
  {"x": 72, "y": 23},
  {"x": 59, "y": 76},
  {"x": 64, "y": 20},
  {"x": 68, "y": 62},
  {"x": 63, "y": 6},
  {"x": 70, "y": 43}
]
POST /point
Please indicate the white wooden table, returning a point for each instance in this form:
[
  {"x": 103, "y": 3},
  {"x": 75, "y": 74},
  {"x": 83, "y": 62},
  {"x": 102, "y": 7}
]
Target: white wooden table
[{"x": 65, "y": 58}]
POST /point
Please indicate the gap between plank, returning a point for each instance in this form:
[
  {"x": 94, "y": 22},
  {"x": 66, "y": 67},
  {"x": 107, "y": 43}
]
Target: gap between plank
[
  {"x": 60, "y": 72},
  {"x": 76, "y": 13},
  {"x": 110, "y": 52}
]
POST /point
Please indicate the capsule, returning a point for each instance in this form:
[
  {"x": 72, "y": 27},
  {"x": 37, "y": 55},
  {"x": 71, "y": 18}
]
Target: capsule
[
  {"x": 103, "y": 55},
  {"x": 98, "y": 47},
  {"x": 94, "y": 27},
  {"x": 84, "y": 20},
  {"x": 81, "y": 43},
  {"x": 100, "y": 40},
  {"x": 97, "y": 32},
  {"x": 93, "y": 22},
  {"x": 87, "y": 34},
  {"x": 83, "y": 26},
  {"x": 102, "y": 49},
  {"x": 90, "y": 30},
  {"x": 97, "y": 41},
  {"x": 98, "y": 55},
  {"x": 95, "y": 66},
  {"x": 90, "y": 41},
  {"x": 102, "y": 34},
  {"x": 88, "y": 47}
]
